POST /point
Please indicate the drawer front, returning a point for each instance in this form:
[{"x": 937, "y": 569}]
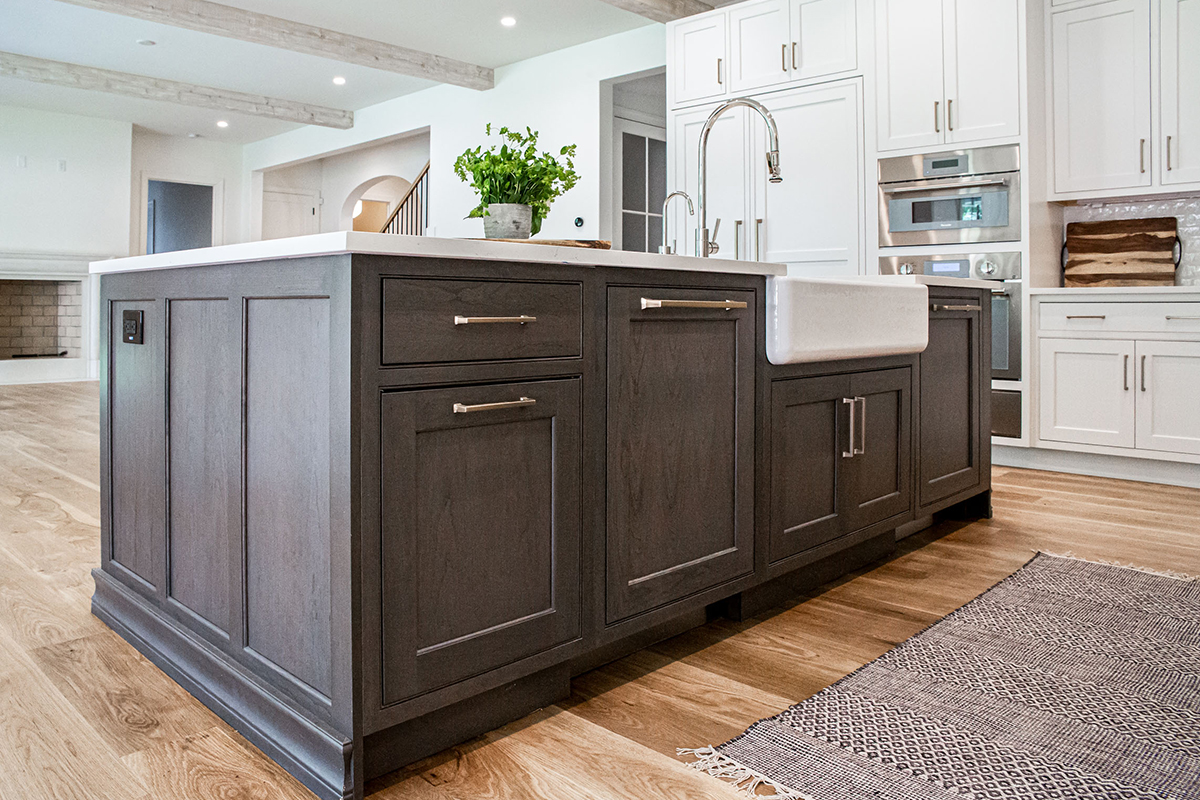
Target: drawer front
[
  {"x": 1120, "y": 317},
  {"x": 430, "y": 321}
]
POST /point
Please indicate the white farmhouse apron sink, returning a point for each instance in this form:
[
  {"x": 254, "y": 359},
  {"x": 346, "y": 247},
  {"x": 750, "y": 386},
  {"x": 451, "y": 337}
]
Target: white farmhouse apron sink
[{"x": 819, "y": 319}]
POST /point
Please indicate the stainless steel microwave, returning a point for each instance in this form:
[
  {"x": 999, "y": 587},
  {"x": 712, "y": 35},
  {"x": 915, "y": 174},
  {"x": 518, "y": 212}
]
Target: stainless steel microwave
[{"x": 951, "y": 197}]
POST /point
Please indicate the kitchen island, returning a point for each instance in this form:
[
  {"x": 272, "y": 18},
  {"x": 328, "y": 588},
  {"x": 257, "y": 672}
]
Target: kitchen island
[{"x": 367, "y": 496}]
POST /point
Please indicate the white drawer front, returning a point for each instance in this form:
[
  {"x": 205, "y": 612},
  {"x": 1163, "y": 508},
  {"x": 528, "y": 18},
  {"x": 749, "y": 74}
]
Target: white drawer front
[{"x": 1120, "y": 317}]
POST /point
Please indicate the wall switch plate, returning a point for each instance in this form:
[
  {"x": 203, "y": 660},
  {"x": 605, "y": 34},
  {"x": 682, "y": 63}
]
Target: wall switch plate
[
  {"x": 132, "y": 327},
  {"x": 62, "y": 165}
]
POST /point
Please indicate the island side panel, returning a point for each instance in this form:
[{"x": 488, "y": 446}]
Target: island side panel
[{"x": 227, "y": 481}]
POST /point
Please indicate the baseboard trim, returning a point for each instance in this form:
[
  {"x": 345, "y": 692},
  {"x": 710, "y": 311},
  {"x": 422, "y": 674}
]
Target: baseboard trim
[
  {"x": 319, "y": 758},
  {"x": 1172, "y": 473}
]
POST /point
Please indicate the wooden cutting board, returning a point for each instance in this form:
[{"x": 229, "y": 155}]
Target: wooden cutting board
[
  {"x": 1123, "y": 252},
  {"x": 591, "y": 244}
]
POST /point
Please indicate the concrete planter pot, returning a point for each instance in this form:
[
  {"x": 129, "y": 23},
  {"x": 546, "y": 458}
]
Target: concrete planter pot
[{"x": 508, "y": 221}]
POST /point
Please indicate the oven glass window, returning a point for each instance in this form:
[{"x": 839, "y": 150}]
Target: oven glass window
[{"x": 948, "y": 209}]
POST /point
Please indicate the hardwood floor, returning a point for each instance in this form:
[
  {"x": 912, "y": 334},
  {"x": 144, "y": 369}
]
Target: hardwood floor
[{"x": 83, "y": 715}]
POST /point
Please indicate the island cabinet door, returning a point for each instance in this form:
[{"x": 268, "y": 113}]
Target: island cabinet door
[
  {"x": 480, "y": 529},
  {"x": 680, "y": 451},
  {"x": 810, "y": 448},
  {"x": 880, "y": 467}
]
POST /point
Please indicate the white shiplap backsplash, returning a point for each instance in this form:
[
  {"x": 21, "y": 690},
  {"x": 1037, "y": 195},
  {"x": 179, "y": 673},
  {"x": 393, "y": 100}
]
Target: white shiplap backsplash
[{"x": 1186, "y": 210}]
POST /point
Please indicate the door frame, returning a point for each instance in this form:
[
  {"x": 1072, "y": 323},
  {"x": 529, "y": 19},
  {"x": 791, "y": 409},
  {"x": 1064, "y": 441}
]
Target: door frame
[
  {"x": 623, "y": 125},
  {"x": 218, "y": 213}
]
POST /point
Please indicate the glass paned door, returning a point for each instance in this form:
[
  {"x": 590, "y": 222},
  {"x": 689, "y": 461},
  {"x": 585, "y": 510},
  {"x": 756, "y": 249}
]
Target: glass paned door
[{"x": 643, "y": 189}]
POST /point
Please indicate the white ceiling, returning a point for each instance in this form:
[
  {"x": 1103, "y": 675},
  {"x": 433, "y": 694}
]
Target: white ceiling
[{"x": 468, "y": 30}]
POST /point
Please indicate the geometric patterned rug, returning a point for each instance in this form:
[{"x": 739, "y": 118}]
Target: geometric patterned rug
[{"x": 1068, "y": 680}]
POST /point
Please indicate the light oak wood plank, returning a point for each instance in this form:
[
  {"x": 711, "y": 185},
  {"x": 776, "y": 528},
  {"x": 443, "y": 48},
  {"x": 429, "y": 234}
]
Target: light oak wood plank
[{"x": 662, "y": 10}]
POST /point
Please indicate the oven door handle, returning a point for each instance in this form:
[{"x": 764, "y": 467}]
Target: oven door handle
[{"x": 940, "y": 186}]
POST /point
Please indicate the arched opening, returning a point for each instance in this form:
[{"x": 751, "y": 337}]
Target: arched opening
[{"x": 369, "y": 204}]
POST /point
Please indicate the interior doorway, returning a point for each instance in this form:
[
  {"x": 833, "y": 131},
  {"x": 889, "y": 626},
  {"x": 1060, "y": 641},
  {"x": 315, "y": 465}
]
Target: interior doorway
[
  {"x": 639, "y": 162},
  {"x": 179, "y": 216}
]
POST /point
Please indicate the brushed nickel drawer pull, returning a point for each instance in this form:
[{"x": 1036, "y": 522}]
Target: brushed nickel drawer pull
[
  {"x": 850, "y": 401},
  {"x": 949, "y": 115},
  {"x": 521, "y": 320},
  {"x": 1087, "y": 316},
  {"x": 1168, "y": 154},
  {"x": 1173, "y": 317},
  {"x": 459, "y": 408},
  {"x": 939, "y": 307},
  {"x": 862, "y": 426},
  {"x": 1142, "y": 156},
  {"x": 783, "y": 57},
  {"x": 1143, "y": 373},
  {"x": 727, "y": 305},
  {"x": 937, "y": 125},
  {"x": 1125, "y": 373}
]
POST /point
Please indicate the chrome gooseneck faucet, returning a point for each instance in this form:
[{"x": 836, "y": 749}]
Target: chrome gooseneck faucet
[
  {"x": 665, "y": 248},
  {"x": 704, "y": 246}
]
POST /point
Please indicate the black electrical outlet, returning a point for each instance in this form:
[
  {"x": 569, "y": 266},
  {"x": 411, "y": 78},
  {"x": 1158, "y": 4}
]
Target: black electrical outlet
[{"x": 132, "y": 327}]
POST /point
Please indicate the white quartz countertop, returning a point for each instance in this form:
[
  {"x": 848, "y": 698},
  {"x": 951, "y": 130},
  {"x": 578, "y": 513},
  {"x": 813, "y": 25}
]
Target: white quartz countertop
[
  {"x": 1110, "y": 293},
  {"x": 932, "y": 280},
  {"x": 342, "y": 242}
]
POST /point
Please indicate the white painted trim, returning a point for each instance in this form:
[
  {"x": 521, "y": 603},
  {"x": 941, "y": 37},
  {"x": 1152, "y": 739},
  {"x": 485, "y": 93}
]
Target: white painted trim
[
  {"x": 1104, "y": 466},
  {"x": 218, "y": 218}
]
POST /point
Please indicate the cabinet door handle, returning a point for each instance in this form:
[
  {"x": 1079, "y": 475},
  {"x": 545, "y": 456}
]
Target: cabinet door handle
[
  {"x": 1143, "y": 373},
  {"x": 937, "y": 125},
  {"x": 1125, "y": 373},
  {"x": 1173, "y": 317},
  {"x": 940, "y": 307},
  {"x": 719, "y": 81},
  {"x": 1087, "y": 316},
  {"x": 850, "y": 401},
  {"x": 521, "y": 320},
  {"x": 737, "y": 239},
  {"x": 783, "y": 57},
  {"x": 758, "y": 240},
  {"x": 862, "y": 426},
  {"x": 727, "y": 305},
  {"x": 949, "y": 115},
  {"x": 794, "y": 56},
  {"x": 459, "y": 408},
  {"x": 1142, "y": 155},
  {"x": 1168, "y": 154}
]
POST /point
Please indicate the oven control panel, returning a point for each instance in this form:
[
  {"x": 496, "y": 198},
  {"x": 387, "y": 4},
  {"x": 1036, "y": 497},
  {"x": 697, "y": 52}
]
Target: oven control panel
[{"x": 988, "y": 266}]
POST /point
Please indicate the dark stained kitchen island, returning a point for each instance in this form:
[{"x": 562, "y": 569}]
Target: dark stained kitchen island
[{"x": 366, "y": 496}]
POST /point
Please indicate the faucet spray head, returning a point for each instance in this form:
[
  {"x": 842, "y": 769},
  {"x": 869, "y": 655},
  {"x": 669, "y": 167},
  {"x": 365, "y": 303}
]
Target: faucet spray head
[{"x": 773, "y": 166}]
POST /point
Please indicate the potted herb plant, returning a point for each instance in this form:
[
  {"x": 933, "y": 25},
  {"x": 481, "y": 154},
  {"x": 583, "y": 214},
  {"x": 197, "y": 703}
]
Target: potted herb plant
[{"x": 516, "y": 184}]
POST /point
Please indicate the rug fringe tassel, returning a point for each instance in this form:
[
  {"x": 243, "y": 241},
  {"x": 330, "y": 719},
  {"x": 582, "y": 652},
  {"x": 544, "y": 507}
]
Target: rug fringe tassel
[
  {"x": 1162, "y": 573},
  {"x": 741, "y": 777}
]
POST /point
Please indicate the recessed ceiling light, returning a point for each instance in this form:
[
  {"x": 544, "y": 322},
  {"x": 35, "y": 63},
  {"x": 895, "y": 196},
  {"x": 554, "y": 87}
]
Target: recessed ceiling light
[
  {"x": 195, "y": 136},
  {"x": 147, "y": 42},
  {"x": 222, "y": 124},
  {"x": 339, "y": 81},
  {"x": 508, "y": 22}
]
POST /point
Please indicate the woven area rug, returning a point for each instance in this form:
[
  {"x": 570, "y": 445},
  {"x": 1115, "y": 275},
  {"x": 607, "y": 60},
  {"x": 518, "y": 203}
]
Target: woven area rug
[{"x": 1068, "y": 679}]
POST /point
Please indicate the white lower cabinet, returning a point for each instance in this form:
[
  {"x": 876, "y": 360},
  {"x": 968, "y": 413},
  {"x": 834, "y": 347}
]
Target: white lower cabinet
[
  {"x": 1168, "y": 404},
  {"x": 1087, "y": 393}
]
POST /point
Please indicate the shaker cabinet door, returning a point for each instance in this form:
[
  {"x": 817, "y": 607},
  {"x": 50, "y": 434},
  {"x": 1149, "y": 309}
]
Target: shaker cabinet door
[
  {"x": 726, "y": 187},
  {"x": 480, "y": 529},
  {"x": 1087, "y": 391},
  {"x": 759, "y": 50},
  {"x": 1168, "y": 396},
  {"x": 983, "y": 69},
  {"x": 680, "y": 473},
  {"x": 880, "y": 469},
  {"x": 1180, "y": 88},
  {"x": 700, "y": 66},
  {"x": 909, "y": 91}
]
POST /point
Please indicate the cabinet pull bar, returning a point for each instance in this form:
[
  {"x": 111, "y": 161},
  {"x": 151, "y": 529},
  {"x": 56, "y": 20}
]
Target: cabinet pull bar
[
  {"x": 1171, "y": 317},
  {"x": 727, "y": 305},
  {"x": 949, "y": 115},
  {"x": 1143, "y": 373},
  {"x": 758, "y": 239},
  {"x": 1087, "y": 316},
  {"x": 850, "y": 401},
  {"x": 937, "y": 125},
  {"x": 1125, "y": 373},
  {"x": 940, "y": 307},
  {"x": 1142, "y": 155},
  {"x": 1168, "y": 154},
  {"x": 862, "y": 426},
  {"x": 737, "y": 239},
  {"x": 459, "y": 408},
  {"x": 521, "y": 320},
  {"x": 719, "y": 81},
  {"x": 783, "y": 57},
  {"x": 794, "y": 56}
]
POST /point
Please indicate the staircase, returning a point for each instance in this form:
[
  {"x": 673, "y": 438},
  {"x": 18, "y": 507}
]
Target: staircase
[{"x": 412, "y": 214}]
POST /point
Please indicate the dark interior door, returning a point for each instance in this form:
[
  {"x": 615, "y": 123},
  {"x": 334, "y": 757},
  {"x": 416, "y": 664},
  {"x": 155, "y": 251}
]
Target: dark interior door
[
  {"x": 680, "y": 446},
  {"x": 178, "y": 217}
]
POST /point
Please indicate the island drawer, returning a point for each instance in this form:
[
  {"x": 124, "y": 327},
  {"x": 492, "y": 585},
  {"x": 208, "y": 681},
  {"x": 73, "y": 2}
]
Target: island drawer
[{"x": 429, "y": 321}]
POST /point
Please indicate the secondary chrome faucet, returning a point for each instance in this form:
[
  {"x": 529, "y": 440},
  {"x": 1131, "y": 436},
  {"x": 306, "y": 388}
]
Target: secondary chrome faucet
[
  {"x": 705, "y": 247},
  {"x": 665, "y": 248}
]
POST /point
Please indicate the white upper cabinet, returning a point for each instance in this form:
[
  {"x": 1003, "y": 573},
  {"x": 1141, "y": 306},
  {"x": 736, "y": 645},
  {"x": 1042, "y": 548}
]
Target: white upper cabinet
[
  {"x": 699, "y": 66},
  {"x": 810, "y": 221},
  {"x": 948, "y": 71},
  {"x": 982, "y": 69},
  {"x": 824, "y": 38},
  {"x": 909, "y": 83},
  {"x": 1180, "y": 91},
  {"x": 760, "y": 52},
  {"x": 728, "y": 194},
  {"x": 1101, "y": 83}
]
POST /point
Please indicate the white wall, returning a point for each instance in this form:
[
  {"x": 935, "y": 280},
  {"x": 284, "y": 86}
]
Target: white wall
[
  {"x": 82, "y": 210},
  {"x": 558, "y": 94},
  {"x": 175, "y": 158}
]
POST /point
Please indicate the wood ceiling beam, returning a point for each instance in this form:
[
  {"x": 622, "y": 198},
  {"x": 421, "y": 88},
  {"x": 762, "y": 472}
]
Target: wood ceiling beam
[
  {"x": 249, "y": 26},
  {"x": 59, "y": 73},
  {"x": 659, "y": 10}
]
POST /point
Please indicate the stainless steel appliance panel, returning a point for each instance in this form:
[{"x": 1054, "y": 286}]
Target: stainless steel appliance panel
[{"x": 1006, "y": 413}]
